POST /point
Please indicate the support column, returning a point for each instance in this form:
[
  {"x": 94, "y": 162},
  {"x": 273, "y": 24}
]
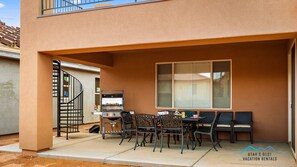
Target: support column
[
  {"x": 35, "y": 102},
  {"x": 295, "y": 41}
]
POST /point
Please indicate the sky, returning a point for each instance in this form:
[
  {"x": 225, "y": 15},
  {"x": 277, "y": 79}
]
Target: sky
[{"x": 10, "y": 12}]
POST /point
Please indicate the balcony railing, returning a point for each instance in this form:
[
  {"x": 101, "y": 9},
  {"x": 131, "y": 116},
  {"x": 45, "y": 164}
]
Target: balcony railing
[{"x": 64, "y": 6}]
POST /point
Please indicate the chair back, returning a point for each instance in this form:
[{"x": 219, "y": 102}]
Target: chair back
[
  {"x": 189, "y": 113},
  {"x": 208, "y": 117},
  {"x": 127, "y": 120},
  {"x": 171, "y": 121},
  {"x": 145, "y": 120},
  {"x": 243, "y": 117},
  {"x": 225, "y": 118}
]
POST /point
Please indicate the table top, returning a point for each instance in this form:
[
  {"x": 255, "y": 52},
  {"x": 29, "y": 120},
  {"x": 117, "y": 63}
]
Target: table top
[{"x": 191, "y": 119}]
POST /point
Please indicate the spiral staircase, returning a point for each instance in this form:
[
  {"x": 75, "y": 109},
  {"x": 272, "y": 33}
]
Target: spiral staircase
[{"x": 69, "y": 93}]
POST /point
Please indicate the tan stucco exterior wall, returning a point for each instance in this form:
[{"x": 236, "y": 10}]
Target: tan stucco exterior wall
[
  {"x": 259, "y": 81},
  {"x": 152, "y": 25},
  {"x": 167, "y": 21}
]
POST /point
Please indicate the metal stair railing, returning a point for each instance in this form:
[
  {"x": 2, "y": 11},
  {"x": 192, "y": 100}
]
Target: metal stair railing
[{"x": 69, "y": 102}]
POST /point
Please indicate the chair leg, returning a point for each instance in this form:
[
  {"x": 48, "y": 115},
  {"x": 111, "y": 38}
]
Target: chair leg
[
  {"x": 200, "y": 141},
  {"x": 231, "y": 137},
  {"x": 123, "y": 137},
  {"x": 217, "y": 140},
  {"x": 151, "y": 138},
  {"x": 174, "y": 138},
  {"x": 130, "y": 136},
  {"x": 251, "y": 137},
  {"x": 235, "y": 136},
  {"x": 143, "y": 139},
  {"x": 214, "y": 145},
  {"x": 168, "y": 140},
  {"x": 136, "y": 142},
  {"x": 217, "y": 135},
  {"x": 195, "y": 141},
  {"x": 182, "y": 145},
  {"x": 161, "y": 145},
  {"x": 155, "y": 141},
  {"x": 187, "y": 140}
]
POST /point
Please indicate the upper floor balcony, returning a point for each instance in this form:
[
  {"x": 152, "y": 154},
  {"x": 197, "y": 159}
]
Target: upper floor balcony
[
  {"x": 65, "y": 6},
  {"x": 83, "y": 26}
]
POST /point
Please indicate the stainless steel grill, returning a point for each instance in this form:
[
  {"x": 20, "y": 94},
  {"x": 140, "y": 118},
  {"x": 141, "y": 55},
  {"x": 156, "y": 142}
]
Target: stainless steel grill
[{"x": 112, "y": 103}]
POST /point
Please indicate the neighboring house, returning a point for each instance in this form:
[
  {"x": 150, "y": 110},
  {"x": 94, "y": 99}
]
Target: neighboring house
[
  {"x": 9, "y": 35},
  {"x": 167, "y": 54},
  {"x": 9, "y": 89}
]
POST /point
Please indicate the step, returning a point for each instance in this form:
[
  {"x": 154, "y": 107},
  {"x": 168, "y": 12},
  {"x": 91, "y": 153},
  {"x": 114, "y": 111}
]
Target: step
[
  {"x": 70, "y": 116},
  {"x": 70, "y": 112},
  {"x": 71, "y": 119},
  {"x": 69, "y": 125},
  {"x": 65, "y": 105}
]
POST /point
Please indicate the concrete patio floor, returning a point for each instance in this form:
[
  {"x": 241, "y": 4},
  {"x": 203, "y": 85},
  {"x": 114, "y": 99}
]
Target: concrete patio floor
[{"x": 91, "y": 147}]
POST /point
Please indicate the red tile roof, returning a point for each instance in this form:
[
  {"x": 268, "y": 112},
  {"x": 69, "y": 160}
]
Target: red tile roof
[{"x": 9, "y": 35}]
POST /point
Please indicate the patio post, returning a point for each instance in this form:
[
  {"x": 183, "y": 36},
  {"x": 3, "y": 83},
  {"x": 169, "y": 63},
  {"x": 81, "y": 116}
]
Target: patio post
[{"x": 35, "y": 102}]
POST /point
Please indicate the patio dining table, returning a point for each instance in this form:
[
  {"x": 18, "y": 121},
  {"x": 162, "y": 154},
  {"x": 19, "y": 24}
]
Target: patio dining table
[
  {"x": 190, "y": 122},
  {"x": 192, "y": 119}
]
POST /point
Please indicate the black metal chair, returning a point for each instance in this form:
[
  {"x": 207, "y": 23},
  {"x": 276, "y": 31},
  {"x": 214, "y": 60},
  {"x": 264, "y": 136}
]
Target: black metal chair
[
  {"x": 205, "y": 123},
  {"x": 208, "y": 131},
  {"x": 225, "y": 124},
  {"x": 243, "y": 123},
  {"x": 128, "y": 126},
  {"x": 145, "y": 124},
  {"x": 208, "y": 118},
  {"x": 189, "y": 113},
  {"x": 173, "y": 125}
]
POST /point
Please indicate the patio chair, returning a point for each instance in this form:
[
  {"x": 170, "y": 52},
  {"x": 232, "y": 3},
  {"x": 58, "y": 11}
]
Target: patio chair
[
  {"x": 173, "y": 125},
  {"x": 128, "y": 126},
  {"x": 225, "y": 124},
  {"x": 243, "y": 123},
  {"x": 145, "y": 124},
  {"x": 208, "y": 131},
  {"x": 205, "y": 123},
  {"x": 189, "y": 113},
  {"x": 208, "y": 118}
]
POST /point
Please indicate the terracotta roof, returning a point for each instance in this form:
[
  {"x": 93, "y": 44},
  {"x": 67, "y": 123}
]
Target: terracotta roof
[{"x": 9, "y": 35}]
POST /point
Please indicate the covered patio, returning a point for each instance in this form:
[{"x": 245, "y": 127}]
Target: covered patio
[{"x": 91, "y": 147}]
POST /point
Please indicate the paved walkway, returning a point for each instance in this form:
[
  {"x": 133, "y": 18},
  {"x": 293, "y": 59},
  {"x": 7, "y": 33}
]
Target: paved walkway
[{"x": 91, "y": 147}]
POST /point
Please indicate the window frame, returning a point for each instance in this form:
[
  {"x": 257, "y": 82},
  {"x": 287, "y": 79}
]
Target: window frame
[
  {"x": 211, "y": 84},
  {"x": 97, "y": 93}
]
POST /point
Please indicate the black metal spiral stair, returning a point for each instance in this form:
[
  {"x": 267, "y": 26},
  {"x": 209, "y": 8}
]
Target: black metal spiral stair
[{"x": 69, "y": 93}]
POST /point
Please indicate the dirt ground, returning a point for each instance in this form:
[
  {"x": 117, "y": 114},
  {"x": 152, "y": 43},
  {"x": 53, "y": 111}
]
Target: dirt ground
[{"x": 18, "y": 160}]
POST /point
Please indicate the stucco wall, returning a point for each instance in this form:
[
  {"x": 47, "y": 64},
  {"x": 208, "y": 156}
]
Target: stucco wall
[
  {"x": 167, "y": 21},
  {"x": 259, "y": 80},
  {"x": 9, "y": 96}
]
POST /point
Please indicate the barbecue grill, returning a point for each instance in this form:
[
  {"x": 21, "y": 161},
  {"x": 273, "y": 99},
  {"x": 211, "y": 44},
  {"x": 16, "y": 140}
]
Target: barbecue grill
[{"x": 112, "y": 103}]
